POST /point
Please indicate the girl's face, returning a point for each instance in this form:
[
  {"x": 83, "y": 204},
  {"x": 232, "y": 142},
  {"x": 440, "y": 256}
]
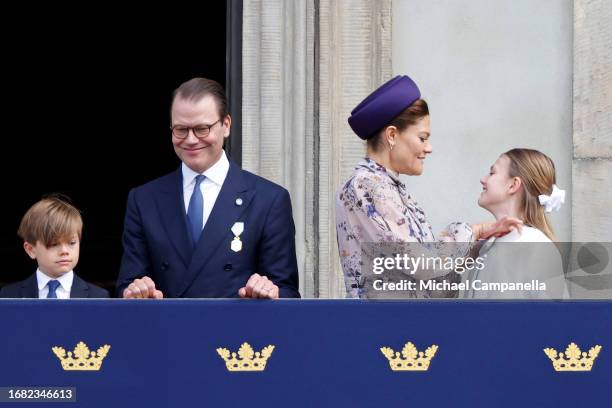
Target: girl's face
[
  {"x": 497, "y": 185},
  {"x": 411, "y": 147}
]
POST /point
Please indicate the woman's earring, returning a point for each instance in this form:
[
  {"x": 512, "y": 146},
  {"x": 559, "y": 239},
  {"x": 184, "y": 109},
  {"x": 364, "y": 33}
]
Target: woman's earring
[{"x": 391, "y": 146}]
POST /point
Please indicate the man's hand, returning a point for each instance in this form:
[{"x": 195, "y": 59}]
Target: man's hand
[
  {"x": 259, "y": 287},
  {"x": 142, "y": 289}
]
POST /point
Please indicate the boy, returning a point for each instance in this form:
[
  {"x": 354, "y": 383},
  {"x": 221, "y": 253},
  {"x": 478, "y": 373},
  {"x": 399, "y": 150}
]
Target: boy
[{"x": 51, "y": 233}]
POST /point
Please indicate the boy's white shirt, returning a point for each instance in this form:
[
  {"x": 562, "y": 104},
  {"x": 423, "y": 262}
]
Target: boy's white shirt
[{"x": 62, "y": 291}]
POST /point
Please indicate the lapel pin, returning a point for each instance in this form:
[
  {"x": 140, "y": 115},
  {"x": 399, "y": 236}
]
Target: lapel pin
[{"x": 239, "y": 201}]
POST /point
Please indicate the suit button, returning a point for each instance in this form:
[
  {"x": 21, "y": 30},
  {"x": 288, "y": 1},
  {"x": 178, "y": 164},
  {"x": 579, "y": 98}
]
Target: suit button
[
  {"x": 227, "y": 267},
  {"x": 164, "y": 266}
]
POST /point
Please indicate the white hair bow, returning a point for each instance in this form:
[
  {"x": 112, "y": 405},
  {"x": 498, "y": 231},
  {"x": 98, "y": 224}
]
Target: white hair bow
[{"x": 554, "y": 200}]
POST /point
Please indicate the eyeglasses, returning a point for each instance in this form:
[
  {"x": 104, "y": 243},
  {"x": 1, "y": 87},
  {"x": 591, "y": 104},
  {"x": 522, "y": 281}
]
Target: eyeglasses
[{"x": 200, "y": 131}]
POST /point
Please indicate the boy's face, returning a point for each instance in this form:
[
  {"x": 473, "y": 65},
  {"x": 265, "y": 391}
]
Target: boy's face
[{"x": 57, "y": 259}]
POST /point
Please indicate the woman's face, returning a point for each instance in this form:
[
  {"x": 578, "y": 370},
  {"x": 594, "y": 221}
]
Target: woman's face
[
  {"x": 410, "y": 148},
  {"x": 496, "y": 185}
]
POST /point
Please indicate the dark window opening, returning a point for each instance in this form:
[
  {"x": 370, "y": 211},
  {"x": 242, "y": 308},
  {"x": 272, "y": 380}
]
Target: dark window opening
[{"x": 87, "y": 115}]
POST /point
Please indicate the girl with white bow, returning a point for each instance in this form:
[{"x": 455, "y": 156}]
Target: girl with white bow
[{"x": 521, "y": 184}]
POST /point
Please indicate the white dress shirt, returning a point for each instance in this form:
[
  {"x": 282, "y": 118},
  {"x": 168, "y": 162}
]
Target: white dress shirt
[
  {"x": 62, "y": 291},
  {"x": 210, "y": 187}
]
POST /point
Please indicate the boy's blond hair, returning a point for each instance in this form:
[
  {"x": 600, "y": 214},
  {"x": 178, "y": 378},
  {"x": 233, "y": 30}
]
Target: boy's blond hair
[{"x": 50, "y": 220}]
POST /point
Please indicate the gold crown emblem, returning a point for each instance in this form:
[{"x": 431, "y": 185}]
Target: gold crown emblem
[
  {"x": 413, "y": 360},
  {"x": 574, "y": 359},
  {"x": 248, "y": 359},
  {"x": 82, "y": 359}
]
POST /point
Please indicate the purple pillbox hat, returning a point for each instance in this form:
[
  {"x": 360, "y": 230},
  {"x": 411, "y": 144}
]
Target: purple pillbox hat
[{"x": 382, "y": 105}]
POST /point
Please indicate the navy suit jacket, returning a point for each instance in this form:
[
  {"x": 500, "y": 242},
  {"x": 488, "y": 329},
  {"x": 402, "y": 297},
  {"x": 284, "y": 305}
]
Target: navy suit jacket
[
  {"x": 28, "y": 288},
  {"x": 157, "y": 241}
]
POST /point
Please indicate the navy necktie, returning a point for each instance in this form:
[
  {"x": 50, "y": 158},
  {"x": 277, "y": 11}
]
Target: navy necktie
[
  {"x": 53, "y": 285},
  {"x": 195, "y": 210}
]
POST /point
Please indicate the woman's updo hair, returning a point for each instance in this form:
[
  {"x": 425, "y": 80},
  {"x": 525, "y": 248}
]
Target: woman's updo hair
[
  {"x": 410, "y": 116},
  {"x": 537, "y": 172}
]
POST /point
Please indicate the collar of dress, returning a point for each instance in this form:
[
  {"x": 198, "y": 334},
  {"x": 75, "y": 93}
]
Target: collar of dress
[{"x": 371, "y": 165}]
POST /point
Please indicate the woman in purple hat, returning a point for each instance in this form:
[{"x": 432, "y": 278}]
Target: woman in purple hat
[{"x": 373, "y": 206}]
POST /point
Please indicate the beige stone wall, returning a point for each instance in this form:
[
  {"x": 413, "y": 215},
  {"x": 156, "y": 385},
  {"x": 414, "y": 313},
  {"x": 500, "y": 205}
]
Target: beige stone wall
[
  {"x": 277, "y": 109},
  {"x": 592, "y": 153},
  {"x": 355, "y": 57},
  {"x": 307, "y": 63},
  {"x": 592, "y": 161}
]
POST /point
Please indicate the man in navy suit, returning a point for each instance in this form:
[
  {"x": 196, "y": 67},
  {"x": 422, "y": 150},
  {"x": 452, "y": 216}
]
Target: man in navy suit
[{"x": 208, "y": 229}]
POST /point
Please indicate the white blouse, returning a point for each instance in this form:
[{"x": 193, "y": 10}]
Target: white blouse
[{"x": 527, "y": 258}]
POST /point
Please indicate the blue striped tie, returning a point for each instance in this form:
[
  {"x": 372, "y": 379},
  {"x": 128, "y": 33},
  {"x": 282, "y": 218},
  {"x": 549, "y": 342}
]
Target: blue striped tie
[
  {"x": 53, "y": 285},
  {"x": 195, "y": 210}
]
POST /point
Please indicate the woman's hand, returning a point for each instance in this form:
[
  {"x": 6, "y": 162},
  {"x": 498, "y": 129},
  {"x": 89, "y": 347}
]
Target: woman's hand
[{"x": 498, "y": 228}]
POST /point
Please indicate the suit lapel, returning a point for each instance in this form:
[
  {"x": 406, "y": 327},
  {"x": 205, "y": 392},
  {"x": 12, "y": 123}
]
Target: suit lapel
[
  {"x": 80, "y": 289},
  {"x": 171, "y": 207},
  {"x": 29, "y": 288},
  {"x": 218, "y": 226}
]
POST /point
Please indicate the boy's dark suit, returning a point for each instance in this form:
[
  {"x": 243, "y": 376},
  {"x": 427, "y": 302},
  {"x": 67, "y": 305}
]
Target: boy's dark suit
[{"x": 28, "y": 288}]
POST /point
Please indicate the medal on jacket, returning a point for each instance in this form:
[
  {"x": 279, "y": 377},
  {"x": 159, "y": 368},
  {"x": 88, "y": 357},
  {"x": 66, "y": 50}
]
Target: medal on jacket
[{"x": 237, "y": 230}]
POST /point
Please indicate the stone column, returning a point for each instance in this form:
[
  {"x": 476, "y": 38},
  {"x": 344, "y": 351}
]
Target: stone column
[
  {"x": 355, "y": 57},
  {"x": 592, "y": 163},
  {"x": 592, "y": 159},
  {"x": 277, "y": 107},
  {"x": 306, "y": 64}
]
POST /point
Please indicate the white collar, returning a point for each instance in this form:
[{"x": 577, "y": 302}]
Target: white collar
[
  {"x": 215, "y": 173},
  {"x": 528, "y": 234},
  {"x": 65, "y": 280}
]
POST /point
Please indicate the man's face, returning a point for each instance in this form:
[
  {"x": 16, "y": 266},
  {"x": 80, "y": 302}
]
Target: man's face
[
  {"x": 57, "y": 259},
  {"x": 199, "y": 154}
]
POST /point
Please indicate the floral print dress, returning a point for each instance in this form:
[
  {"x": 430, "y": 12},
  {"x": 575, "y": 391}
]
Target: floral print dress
[{"x": 373, "y": 206}]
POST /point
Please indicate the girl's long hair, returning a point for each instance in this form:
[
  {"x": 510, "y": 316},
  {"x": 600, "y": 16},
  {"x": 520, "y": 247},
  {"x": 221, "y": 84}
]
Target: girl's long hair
[{"x": 537, "y": 172}]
